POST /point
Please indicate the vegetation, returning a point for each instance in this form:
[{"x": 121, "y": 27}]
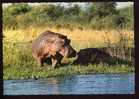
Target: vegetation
[
  {"x": 19, "y": 63},
  {"x": 102, "y": 15},
  {"x": 98, "y": 25},
  {"x": 26, "y": 73}
]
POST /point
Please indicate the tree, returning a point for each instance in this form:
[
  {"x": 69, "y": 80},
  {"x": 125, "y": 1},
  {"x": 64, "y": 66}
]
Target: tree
[
  {"x": 128, "y": 14},
  {"x": 75, "y": 10},
  {"x": 16, "y": 9},
  {"x": 102, "y": 9}
]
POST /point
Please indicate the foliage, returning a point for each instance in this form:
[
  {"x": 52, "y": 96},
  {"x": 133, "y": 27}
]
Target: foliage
[
  {"x": 102, "y": 9},
  {"x": 22, "y": 23},
  {"x": 16, "y": 9},
  {"x": 23, "y": 15},
  {"x": 19, "y": 63}
]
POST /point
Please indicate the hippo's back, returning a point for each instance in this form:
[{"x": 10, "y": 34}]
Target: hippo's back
[
  {"x": 45, "y": 38},
  {"x": 49, "y": 36}
]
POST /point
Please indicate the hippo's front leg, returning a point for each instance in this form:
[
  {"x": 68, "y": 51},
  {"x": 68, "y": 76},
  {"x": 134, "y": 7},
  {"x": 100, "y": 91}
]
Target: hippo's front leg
[
  {"x": 54, "y": 61},
  {"x": 59, "y": 58}
]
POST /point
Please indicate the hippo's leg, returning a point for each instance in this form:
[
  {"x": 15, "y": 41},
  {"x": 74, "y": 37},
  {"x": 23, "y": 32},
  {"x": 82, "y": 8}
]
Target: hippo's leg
[
  {"x": 59, "y": 58},
  {"x": 40, "y": 61},
  {"x": 54, "y": 61}
]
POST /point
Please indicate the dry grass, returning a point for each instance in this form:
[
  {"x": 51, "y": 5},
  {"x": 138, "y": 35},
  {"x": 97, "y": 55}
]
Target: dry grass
[
  {"x": 82, "y": 38},
  {"x": 19, "y": 63}
]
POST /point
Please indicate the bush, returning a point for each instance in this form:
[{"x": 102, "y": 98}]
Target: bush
[
  {"x": 16, "y": 9},
  {"x": 103, "y": 15}
]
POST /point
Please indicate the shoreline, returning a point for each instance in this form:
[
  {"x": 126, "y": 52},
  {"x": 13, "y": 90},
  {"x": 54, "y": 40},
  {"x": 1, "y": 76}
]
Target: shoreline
[{"x": 65, "y": 71}]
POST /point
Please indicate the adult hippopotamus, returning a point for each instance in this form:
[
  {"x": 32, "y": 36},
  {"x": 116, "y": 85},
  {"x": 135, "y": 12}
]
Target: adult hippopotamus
[{"x": 52, "y": 45}]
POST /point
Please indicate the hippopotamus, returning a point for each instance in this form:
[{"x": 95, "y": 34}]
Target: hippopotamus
[
  {"x": 52, "y": 45},
  {"x": 91, "y": 56}
]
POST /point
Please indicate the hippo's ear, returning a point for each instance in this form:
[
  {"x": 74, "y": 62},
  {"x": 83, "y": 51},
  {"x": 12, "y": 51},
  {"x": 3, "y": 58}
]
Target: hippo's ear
[{"x": 63, "y": 36}]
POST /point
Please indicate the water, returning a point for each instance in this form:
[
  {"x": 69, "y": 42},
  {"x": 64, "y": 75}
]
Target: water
[{"x": 78, "y": 84}]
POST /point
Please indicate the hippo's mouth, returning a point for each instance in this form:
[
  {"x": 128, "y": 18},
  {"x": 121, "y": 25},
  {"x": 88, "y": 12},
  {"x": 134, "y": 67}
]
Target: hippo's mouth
[{"x": 73, "y": 54}]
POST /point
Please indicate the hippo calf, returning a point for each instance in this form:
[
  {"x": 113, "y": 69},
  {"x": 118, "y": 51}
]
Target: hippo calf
[{"x": 52, "y": 45}]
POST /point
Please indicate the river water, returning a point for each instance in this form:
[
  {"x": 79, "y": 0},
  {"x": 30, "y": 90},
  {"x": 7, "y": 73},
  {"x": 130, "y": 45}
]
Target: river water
[{"x": 77, "y": 84}]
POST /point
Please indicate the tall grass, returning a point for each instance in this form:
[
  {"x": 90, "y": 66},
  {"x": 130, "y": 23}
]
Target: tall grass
[
  {"x": 83, "y": 38},
  {"x": 19, "y": 63},
  {"x": 22, "y": 24}
]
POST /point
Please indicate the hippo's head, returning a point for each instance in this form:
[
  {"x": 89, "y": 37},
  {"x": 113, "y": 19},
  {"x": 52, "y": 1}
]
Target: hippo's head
[
  {"x": 72, "y": 52},
  {"x": 67, "y": 50}
]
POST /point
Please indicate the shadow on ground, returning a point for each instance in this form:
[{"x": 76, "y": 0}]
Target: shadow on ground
[{"x": 48, "y": 62}]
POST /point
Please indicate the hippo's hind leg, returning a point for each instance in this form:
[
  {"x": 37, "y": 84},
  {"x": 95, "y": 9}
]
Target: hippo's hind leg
[{"x": 40, "y": 61}]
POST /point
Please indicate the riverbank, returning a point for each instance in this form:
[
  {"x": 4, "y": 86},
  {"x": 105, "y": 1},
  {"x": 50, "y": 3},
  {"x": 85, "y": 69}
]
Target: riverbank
[
  {"x": 65, "y": 70},
  {"x": 18, "y": 62}
]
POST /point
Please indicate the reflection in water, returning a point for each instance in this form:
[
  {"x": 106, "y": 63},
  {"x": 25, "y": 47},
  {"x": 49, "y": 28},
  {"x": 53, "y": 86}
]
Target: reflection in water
[
  {"x": 78, "y": 84},
  {"x": 52, "y": 85}
]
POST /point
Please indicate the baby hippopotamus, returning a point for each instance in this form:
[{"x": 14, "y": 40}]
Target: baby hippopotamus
[{"x": 52, "y": 45}]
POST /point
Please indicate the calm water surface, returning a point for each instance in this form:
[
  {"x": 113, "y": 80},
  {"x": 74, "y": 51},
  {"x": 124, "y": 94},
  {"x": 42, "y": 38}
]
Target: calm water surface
[{"x": 77, "y": 84}]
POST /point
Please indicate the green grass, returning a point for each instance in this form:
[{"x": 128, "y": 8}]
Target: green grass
[
  {"x": 19, "y": 64},
  {"x": 26, "y": 73}
]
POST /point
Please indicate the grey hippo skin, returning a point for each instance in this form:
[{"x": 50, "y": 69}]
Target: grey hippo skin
[{"x": 52, "y": 45}]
